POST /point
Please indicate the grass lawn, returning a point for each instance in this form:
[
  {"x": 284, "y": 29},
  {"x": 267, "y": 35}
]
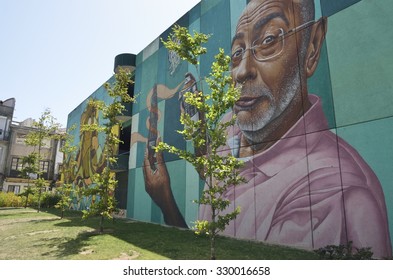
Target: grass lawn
[{"x": 28, "y": 235}]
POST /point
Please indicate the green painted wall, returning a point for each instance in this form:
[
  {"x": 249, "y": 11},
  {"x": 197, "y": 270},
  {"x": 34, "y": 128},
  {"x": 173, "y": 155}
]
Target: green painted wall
[
  {"x": 359, "y": 46},
  {"x": 353, "y": 81}
]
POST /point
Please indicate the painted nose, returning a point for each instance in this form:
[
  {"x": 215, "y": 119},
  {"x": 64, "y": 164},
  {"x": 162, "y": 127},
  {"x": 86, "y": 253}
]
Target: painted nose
[{"x": 246, "y": 70}]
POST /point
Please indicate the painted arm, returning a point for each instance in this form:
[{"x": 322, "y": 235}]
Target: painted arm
[
  {"x": 366, "y": 222},
  {"x": 158, "y": 186}
]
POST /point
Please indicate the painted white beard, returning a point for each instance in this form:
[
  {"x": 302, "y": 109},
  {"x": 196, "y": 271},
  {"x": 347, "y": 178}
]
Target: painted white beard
[
  {"x": 258, "y": 121},
  {"x": 255, "y": 129}
]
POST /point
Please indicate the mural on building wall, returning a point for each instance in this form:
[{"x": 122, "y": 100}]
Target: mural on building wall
[
  {"x": 306, "y": 186},
  {"x": 89, "y": 158}
]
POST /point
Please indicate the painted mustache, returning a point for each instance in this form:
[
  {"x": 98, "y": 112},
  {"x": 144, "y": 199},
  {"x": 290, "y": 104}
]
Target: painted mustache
[{"x": 252, "y": 95}]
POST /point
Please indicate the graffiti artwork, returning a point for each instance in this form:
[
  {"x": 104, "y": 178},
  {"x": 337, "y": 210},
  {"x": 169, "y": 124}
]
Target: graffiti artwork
[
  {"x": 89, "y": 159},
  {"x": 304, "y": 182}
]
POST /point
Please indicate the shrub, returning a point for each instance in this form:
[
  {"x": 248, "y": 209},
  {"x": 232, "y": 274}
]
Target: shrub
[
  {"x": 344, "y": 252},
  {"x": 33, "y": 200},
  {"x": 49, "y": 199},
  {"x": 10, "y": 199}
]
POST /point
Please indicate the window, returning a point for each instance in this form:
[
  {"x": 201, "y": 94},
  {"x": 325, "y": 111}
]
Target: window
[
  {"x": 62, "y": 143},
  {"x": 14, "y": 188},
  {"x": 16, "y": 164},
  {"x": 59, "y": 171},
  {"x": 44, "y": 166}
]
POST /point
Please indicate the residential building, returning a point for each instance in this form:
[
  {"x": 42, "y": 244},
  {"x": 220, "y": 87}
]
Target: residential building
[
  {"x": 51, "y": 158},
  {"x": 6, "y": 112}
]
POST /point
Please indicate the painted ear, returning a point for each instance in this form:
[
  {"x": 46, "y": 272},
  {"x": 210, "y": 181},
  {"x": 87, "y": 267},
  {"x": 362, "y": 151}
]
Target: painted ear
[{"x": 316, "y": 41}]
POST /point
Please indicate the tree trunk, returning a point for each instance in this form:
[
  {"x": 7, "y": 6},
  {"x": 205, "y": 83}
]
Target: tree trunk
[
  {"x": 28, "y": 188},
  {"x": 213, "y": 233},
  {"x": 39, "y": 201},
  {"x": 102, "y": 224},
  {"x": 27, "y": 199},
  {"x": 213, "y": 247},
  {"x": 213, "y": 229}
]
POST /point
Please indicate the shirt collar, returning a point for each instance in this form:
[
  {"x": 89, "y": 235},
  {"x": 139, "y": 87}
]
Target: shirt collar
[{"x": 291, "y": 147}]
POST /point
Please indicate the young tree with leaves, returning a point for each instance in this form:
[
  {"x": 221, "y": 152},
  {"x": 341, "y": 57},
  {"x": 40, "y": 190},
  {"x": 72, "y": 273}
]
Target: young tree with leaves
[
  {"x": 209, "y": 133},
  {"x": 44, "y": 129},
  {"x": 105, "y": 183},
  {"x": 29, "y": 168},
  {"x": 69, "y": 164}
]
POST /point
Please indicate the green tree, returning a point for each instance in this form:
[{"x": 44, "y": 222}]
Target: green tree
[
  {"x": 105, "y": 183},
  {"x": 44, "y": 129},
  {"x": 209, "y": 133},
  {"x": 64, "y": 203},
  {"x": 29, "y": 169},
  {"x": 68, "y": 166}
]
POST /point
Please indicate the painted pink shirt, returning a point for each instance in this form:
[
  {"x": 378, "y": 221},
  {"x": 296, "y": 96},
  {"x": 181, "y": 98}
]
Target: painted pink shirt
[{"x": 296, "y": 195}]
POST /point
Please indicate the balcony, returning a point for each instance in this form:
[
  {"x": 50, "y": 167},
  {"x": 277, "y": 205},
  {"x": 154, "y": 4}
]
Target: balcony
[
  {"x": 121, "y": 164},
  {"x": 127, "y": 113},
  {"x": 6, "y": 111},
  {"x": 4, "y": 135}
]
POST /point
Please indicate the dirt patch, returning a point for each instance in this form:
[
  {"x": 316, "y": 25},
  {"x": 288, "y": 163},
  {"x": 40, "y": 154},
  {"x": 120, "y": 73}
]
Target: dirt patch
[
  {"x": 86, "y": 251},
  {"x": 30, "y": 234},
  {"x": 41, "y": 232},
  {"x": 7, "y": 222},
  {"x": 131, "y": 256},
  {"x": 9, "y": 237},
  {"x": 105, "y": 231}
]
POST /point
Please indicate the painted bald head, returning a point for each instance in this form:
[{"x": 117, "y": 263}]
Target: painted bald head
[
  {"x": 270, "y": 56},
  {"x": 304, "y": 9}
]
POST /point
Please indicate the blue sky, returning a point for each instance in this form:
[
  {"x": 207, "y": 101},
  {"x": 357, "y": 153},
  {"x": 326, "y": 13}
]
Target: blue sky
[{"x": 55, "y": 53}]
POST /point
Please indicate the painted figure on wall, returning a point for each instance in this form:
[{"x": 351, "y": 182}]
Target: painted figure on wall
[
  {"x": 305, "y": 185},
  {"x": 88, "y": 159}
]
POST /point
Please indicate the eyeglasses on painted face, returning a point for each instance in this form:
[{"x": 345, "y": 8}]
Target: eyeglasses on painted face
[{"x": 270, "y": 45}]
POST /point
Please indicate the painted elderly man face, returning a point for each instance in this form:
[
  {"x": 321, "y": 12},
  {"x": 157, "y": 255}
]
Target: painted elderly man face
[{"x": 268, "y": 60}]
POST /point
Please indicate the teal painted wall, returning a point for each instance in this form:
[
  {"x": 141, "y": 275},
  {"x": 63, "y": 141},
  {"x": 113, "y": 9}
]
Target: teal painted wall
[{"x": 353, "y": 83}]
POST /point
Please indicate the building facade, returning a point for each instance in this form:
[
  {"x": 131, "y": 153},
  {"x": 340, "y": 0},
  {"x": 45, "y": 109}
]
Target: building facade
[
  {"x": 314, "y": 123},
  {"x": 50, "y": 162},
  {"x": 6, "y": 113},
  {"x": 90, "y": 145}
]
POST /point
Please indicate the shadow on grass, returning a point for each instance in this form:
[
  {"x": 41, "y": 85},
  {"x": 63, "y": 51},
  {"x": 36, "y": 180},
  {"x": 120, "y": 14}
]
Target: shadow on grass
[
  {"x": 172, "y": 243},
  {"x": 31, "y": 220},
  {"x": 11, "y": 208},
  {"x": 10, "y": 211},
  {"x": 27, "y": 221},
  {"x": 64, "y": 247},
  {"x": 167, "y": 242}
]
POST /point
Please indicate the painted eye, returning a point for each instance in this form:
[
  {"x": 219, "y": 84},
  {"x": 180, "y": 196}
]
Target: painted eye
[
  {"x": 269, "y": 40},
  {"x": 238, "y": 53},
  {"x": 268, "y": 46}
]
